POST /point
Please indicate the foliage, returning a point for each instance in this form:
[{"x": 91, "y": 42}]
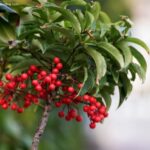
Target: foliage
[{"x": 83, "y": 36}]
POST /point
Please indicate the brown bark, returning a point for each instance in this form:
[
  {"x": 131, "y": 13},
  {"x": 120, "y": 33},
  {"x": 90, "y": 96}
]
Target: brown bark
[{"x": 40, "y": 130}]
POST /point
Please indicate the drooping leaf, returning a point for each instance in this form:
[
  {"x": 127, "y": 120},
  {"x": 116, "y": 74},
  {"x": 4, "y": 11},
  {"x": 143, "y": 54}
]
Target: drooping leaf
[
  {"x": 126, "y": 52},
  {"x": 138, "y": 42},
  {"x": 99, "y": 61},
  {"x": 104, "y": 17},
  {"x": 139, "y": 57}
]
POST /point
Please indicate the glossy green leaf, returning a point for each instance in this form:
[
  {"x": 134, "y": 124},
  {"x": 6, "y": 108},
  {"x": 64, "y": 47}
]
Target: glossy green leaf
[
  {"x": 104, "y": 17},
  {"x": 68, "y": 15},
  {"x": 113, "y": 52},
  {"x": 139, "y": 57},
  {"x": 99, "y": 61},
  {"x": 73, "y": 3},
  {"x": 123, "y": 46},
  {"x": 89, "y": 20},
  {"x": 95, "y": 9},
  {"x": 138, "y": 42}
]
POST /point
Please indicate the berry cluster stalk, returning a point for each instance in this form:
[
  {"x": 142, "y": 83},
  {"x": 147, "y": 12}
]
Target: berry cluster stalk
[{"x": 41, "y": 127}]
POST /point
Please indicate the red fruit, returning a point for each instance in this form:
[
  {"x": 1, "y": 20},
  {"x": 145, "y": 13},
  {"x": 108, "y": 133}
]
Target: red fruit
[
  {"x": 52, "y": 87},
  {"x": 68, "y": 118},
  {"x": 73, "y": 113},
  {"x": 86, "y": 97},
  {"x": 98, "y": 104},
  {"x": 47, "y": 79},
  {"x": 92, "y": 108},
  {"x": 23, "y": 86},
  {"x": 11, "y": 85},
  {"x": 53, "y": 76},
  {"x": 38, "y": 88},
  {"x": 58, "y": 83},
  {"x": 8, "y": 76},
  {"x": 71, "y": 89},
  {"x": 61, "y": 114},
  {"x": 92, "y": 100},
  {"x": 43, "y": 73},
  {"x": 27, "y": 104},
  {"x": 102, "y": 109},
  {"x": 35, "y": 82},
  {"x": 56, "y": 60},
  {"x": 33, "y": 68},
  {"x": 79, "y": 118},
  {"x": 24, "y": 76},
  {"x": 80, "y": 85},
  {"x": 5, "y": 106},
  {"x": 58, "y": 104},
  {"x": 1, "y": 83},
  {"x": 14, "y": 106},
  {"x": 20, "y": 110},
  {"x": 85, "y": 108},
  {"x": 59, "y": 66},
  {"x": 92, "y": 125},
  {"x": 55, "y": 71}
]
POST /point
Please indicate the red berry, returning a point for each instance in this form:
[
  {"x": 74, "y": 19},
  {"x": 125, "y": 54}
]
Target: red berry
[
  {"x": 43, "y": 73},
  {"x": 47, "y": 79},
  {"x": 1, "y": 83},
  {"x": 56, "y": 60},
  {"x": 80, "y": 85},
  {"x": 58, "y": 104},
  {"x": 35, "y": 82},
  {"x": 61, "y": 114},
  {"x": 59, "y": 66},
  {"x": 58, "y": 83},
  {"x": 33, "y": 68},
  {"x": 92, "y": 125},
  {"x": 71, "y": 89},
  {"x": 85, "y": 108},
  {"x": 24, "y": 76},
  {"x": 53, "y": 76},
  {"x": 79, "y": 118},
  {"x": 20, "y": 110},
  {"x": 86, "y": 97},
  {"x": 23, "y": 86},
  {"x": 14, "y": 106},
  {"x": 5, "y": 106},
  {"x": 55, "y": 71},
  {"x": 8, "y": 76},
  {"x": 38, "y": 88},
  {"x": 52, "y": 87}
]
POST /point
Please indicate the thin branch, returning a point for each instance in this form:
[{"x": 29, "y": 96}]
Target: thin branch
[{"x": 40, "y": 130}]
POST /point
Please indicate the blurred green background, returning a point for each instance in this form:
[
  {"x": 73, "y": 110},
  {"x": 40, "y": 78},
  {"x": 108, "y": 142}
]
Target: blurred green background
[{"x": 16, "y": 130}]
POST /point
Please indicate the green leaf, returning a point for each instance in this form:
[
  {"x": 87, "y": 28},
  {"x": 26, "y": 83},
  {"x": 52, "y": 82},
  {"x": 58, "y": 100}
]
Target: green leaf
[
  {"x": 139, "y": 57},
  {"x": 139, "y": 70},
  {"x": 125, "y": 88},
  {"x": 104, "y": 17},
  {"x": 100, "y": 62},
  {"x": 95, "y": 9},
  {"x": 113, "y": 52},
  {"x": 107, "y": 98},
  {"x": 73, "y": 3},
  {"x": 123, "y": 46},
  {"x": 138, "y": 42},
  {"x": 68, "y": 15}
]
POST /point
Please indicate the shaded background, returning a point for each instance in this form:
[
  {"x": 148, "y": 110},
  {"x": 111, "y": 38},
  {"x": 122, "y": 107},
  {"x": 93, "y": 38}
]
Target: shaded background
[{"x": 126, "y": 129}]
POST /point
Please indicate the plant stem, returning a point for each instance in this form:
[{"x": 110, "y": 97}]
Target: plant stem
[{"x": 40, "y": 130}]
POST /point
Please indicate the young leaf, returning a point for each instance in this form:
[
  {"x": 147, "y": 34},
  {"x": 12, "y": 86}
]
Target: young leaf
[{"x": 100, "y": 62}]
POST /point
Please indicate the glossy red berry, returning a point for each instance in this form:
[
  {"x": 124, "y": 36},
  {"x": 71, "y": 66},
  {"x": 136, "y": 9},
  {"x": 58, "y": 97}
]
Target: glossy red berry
[
  {"x": 79, "y": 118},
  {"x": 56, "y": 60},
  {"x": 24, "y": 76},
  {"x": 8, "y": 76},
  {"x": 71, "y": 89},
  {"x": 61, "y": 114},
  {"x": 92, "y": 125},
  {"x": 59, "y": 66}
]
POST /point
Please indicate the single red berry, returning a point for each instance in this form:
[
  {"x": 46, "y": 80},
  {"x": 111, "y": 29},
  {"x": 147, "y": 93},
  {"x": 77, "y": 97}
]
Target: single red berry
[
  {"x": 33, "y": 68},
  {"x": 20, "y": 110},
  {"x": 38, "y": 88},
  {"x": 11, "y": 85},
  {"x": 22, "y": 85},
  {"x": 102, "y": 109},
  {"x": 92, "y": 125},
  {"x": 79, "y": 118},
  {"x": 35, "y": 82},
  {"x": 73, "y": 113},
  {"x": 80, "y": 85},
  {"x": 68, "y": 118},
  {"x": 86, "y": 97},
  {"x": 58, "y": 104},
  {"x": 43, "y": 73},
  {"x": 53, "y": 76},
  {"x": 52, "y": 87},
  {"x": 59, "y": 66},
  {"x": 61, "y": 114},
  {"x": 85, "y": 108},
  {"x": 55, "y": 71},
  {"x": 47, "y": 79},
  {"x": 71, "y": 89},
  {"x": 5, "y": 106},
  {"x": 24, "y": 76},
  {"x": 56, "y": 60},
  {"x": 1, "y": 83},
  {"x": 8, "y": 76},
  {"x": 58, "y": 83},
  {"x": 14, "y": 106}
]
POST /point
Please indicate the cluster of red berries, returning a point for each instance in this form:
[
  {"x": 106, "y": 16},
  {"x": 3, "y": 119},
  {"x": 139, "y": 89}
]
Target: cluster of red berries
[{"x": 36, "y": 86}]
